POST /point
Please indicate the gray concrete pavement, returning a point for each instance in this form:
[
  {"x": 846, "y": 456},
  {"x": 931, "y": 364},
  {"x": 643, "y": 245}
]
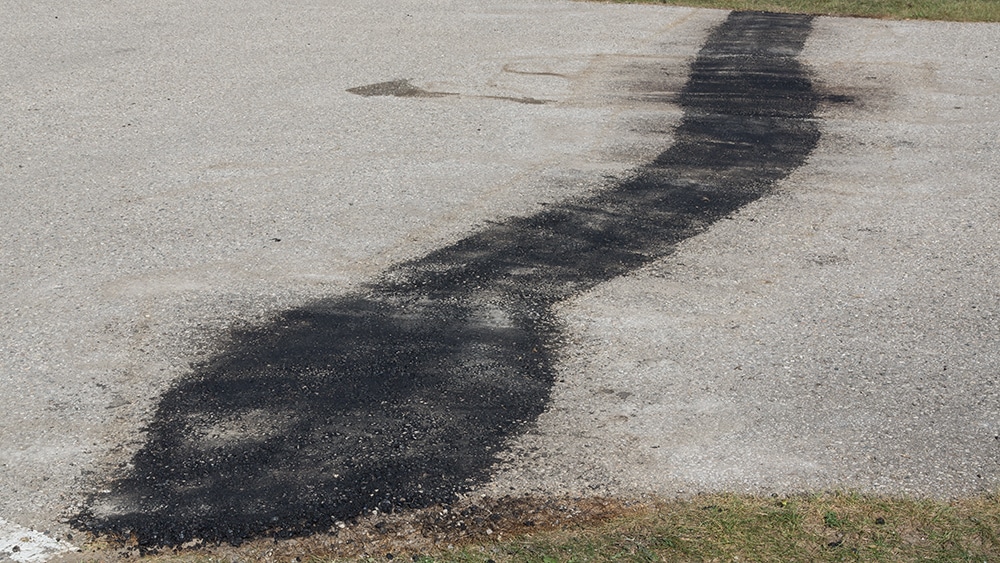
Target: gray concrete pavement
[
  {"x": 842, "y": 335},
  {"x": 170, "y": 172}
]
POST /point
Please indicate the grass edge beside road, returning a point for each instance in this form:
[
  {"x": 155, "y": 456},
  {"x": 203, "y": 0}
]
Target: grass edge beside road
[
  {"x": 945, "y": 10},
  {"x": 820, "y": 527},
  {"x": 706, "y": 527}
]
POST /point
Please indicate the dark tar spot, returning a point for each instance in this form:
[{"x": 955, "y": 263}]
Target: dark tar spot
[
  {"x": 397, "y": 88},
  {"x": 839, "y": 99},
  {"x": 404, "y": 89},
  {"x": 401, "y": 394}
]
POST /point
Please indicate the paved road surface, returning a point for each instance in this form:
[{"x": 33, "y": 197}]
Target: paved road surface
[{"x": 176, "y": 174}]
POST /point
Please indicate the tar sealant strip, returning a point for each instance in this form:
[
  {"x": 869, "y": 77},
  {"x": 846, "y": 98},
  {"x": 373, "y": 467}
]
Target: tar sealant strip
[{"x": 401, "y": 395}]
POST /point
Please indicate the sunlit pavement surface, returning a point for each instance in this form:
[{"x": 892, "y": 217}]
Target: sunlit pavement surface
[{"x": 190, "y": 190}]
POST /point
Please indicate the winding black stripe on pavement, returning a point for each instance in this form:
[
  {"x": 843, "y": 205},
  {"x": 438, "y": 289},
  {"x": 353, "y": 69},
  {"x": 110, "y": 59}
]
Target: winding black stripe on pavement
[{"x": 401, "y": 395}]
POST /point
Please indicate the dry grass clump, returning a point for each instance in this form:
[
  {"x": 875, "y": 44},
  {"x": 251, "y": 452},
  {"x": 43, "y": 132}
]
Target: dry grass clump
[{"x": 403, "y": 536}]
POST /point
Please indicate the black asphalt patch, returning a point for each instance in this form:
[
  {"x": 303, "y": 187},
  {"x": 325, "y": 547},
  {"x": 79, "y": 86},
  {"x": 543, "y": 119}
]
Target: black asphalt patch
[{"x": 401, "y": 395}]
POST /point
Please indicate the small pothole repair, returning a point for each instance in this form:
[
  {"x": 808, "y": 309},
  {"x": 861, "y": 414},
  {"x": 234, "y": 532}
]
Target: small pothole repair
[
  {"x": 398, "y": 88},
  {"x": 404, "y": 89}
]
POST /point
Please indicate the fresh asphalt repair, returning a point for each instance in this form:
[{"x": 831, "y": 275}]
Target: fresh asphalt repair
[{"x": 402, "y": 394}]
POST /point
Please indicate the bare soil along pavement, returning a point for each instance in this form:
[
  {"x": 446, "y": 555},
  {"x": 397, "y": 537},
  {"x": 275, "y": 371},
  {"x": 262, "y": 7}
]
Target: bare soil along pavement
[{"x": 401, "y": 394}]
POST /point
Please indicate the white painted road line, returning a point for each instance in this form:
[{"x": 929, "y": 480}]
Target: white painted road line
[{"x": 22, "y": 544}]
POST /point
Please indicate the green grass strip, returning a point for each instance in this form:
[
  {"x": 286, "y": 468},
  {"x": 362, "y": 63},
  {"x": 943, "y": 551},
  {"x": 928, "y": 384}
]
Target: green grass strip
[
  {"x": 948, "y": 10},
  {"x": 717, "y": 527},
  {"x": 831, "y": 527}
]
